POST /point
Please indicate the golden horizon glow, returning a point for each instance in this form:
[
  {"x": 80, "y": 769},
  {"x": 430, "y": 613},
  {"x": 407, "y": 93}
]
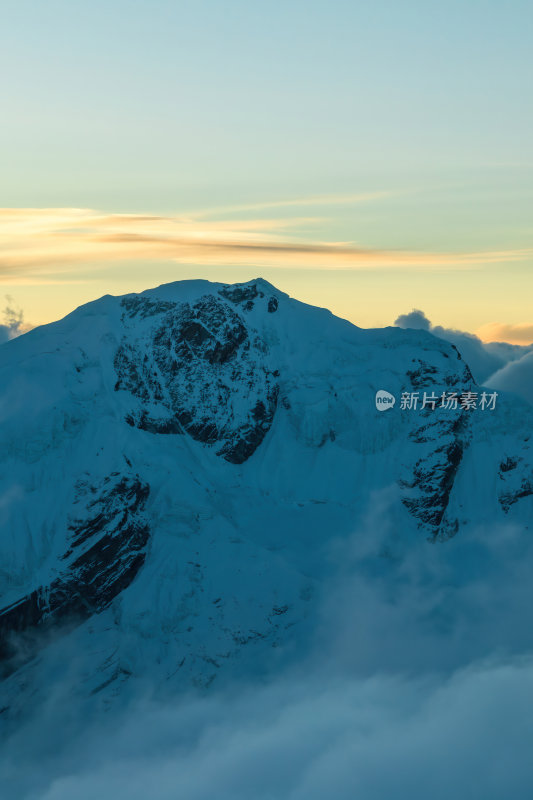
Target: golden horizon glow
[{"x": 33, "y": 238}]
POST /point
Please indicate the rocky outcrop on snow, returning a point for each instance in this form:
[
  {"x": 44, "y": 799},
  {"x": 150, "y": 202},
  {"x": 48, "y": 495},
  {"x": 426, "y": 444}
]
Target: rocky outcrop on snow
[
  {"x": 516, "y": 477},
  {"x": 199, "y": 369},
  {"x": 107, "y": 539}
]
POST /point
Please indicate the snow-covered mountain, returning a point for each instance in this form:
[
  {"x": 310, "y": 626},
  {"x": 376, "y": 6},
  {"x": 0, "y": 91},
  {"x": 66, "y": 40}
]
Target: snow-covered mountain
[{"x": 175, "y": 465}]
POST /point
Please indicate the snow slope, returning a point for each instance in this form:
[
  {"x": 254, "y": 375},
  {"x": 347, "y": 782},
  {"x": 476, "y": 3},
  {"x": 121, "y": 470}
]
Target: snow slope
[{"x": 175, "y": 465}]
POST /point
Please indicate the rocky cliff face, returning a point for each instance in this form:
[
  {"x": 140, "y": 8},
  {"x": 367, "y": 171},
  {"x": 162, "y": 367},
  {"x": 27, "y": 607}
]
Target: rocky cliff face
[
  {"x": 199, "y": 368},
  {"x": 174, "y": 464},
  {"x": 106, "y": 537},
  {"x": 516, "y": 476}
]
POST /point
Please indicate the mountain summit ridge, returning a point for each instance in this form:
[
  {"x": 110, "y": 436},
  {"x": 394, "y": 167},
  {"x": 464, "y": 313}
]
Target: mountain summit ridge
[{"x": 175, "y": 462}]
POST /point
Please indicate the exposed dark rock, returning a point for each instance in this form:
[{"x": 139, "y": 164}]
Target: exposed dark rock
[
  {"x": 507, "y": 499},
  {"x": 516, "y": 477},
  {"x": 200, "y": 370},
  {"x": 509, "y": 464},
  {"x": 443, "y": 438},
  {"x": 423, "y": 375},
  {"x": 143, "y": 307},
  {"x": 238, "y": 294},
  {"x": 107, "y": 549},
  {"x": 467, "y": 373},
  {"x": 153, "y": 425}
]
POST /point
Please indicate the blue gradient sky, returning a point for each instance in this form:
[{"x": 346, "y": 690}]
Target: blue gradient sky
[{"x": 420, "y": 110}]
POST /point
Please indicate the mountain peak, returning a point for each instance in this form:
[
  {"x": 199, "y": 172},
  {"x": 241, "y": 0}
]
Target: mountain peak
[{"x": 175, "y": 460}]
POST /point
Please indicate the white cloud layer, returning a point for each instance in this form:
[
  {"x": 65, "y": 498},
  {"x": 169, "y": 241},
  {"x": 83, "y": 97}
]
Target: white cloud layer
[
  {"x": 516, "y": 377},
  {"x": 307, "y": 738},
  {"x": 484, "y": 358},
  {"x": 416, "y": 681},
  {"x": 13, "y": 324}
]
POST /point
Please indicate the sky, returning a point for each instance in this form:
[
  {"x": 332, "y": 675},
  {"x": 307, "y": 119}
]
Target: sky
[{"x": 367, "y": 157}]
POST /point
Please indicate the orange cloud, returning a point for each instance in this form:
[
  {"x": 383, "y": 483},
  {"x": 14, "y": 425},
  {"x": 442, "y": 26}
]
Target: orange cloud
[
  {"x": 32, "y": 241},
  {"x": 502, "y": 332}
]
